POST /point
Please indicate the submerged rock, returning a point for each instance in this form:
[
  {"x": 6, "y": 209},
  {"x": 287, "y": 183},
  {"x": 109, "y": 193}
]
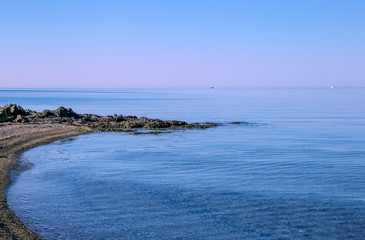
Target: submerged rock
[{"x": 149, "y": 132}]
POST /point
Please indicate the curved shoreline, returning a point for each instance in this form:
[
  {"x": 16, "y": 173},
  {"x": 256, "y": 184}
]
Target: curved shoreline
[
  {"x": 22, "y": 129},
  {"x": 16, "y": 138}
]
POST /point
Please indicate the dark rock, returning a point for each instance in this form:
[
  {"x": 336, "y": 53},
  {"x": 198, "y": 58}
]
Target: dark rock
[
  {"x": 149, "y": 132},
  {"x": 135, "y": 133},
  {"x": 4, "y": 116},
  {"x": 90, "y": 117},
  {"x": 248, "y": 123},
  {"x": 116, "y": 123},
  {"x": 175, "y": 123},
  {"x": 30, "y": 112},
  {"x": 10, "y": 112},
  {"x": 16, "y": 110},
  {"x": 158, "y": 132},
  {"x": 210, "y": 124},
  {"x": 63, "y": 112},
  {"x": 132, "y": 124},
  {"x": 119, "y": 118},
  {"x": 106, "y": 119},
  {"x": 131, "y": 118},
  {"x": 46, "y": 113}
]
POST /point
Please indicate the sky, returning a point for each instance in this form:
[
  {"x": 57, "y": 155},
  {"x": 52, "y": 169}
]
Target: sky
[{"x": 182, "y": 43}]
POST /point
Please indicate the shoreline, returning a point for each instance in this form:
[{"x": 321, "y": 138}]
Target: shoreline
[
  {"x": 23, "y": 129},
  {"x": 15, "y": 139}
]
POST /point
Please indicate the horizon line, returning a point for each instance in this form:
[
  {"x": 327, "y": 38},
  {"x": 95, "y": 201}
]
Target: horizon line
[{"x": 111, "y": 88}]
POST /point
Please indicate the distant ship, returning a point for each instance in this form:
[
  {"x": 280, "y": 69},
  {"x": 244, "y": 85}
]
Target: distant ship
[
  {"x": 211, "y": 87},
  {"x": 332, "y": 87}
]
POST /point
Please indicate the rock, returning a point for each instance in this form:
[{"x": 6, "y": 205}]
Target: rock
[
  {"x": 143, "y": 119},
  {"x": 9, "y": 112},
  {"x": 210, "y": 124},
  {"x": 131, "y": 118},
  {"x": 135, "y": 133},
  {"x": 63, "y": 112},
  {"x": 46, "y": 113},
  {"x": 21, "y": 119},
  {"x": 176, "y": 123},
  {"x": 156, "y": 124},
  {"x": 157, "y": 132},
  {"x": 16, "y": 110},
  {"x": 29, "y": 112},
  {"x": 115, "y": 123},
  {"x": 246, "y": 123},
  {"x": 149, "y": 132},
  {"x": 90, "y": 117},
  {"x": 118, "y": 118},
  {"x": 4, "y": 116},
  {"x": 106, "y": 119},
  {"x": 132, "y": 124}
]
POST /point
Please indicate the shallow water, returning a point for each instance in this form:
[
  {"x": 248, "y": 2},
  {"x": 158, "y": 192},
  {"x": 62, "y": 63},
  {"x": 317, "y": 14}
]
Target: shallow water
[{"x": 296, "y": 172}]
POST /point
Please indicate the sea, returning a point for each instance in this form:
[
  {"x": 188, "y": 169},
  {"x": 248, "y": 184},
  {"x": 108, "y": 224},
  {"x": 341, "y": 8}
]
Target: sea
[{"x": 294, "y": 168}]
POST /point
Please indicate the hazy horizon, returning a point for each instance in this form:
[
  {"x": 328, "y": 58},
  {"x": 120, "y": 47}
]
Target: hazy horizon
[
  {"x": 162, "y": 88},
  {"x": 189, "y": 44}
]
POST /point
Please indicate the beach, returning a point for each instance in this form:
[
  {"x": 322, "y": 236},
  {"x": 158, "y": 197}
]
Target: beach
[
  {"x": 23, "y": 129},
  {"x": 16, "y": 138}
]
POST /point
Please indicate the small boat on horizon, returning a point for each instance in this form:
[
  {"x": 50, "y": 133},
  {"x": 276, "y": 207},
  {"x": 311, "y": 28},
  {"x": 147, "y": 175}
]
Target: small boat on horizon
[{"x": 332, "y": 87}]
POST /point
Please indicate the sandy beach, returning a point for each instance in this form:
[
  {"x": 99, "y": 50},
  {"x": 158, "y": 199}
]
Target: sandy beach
[{"x": 15, "y": 138}]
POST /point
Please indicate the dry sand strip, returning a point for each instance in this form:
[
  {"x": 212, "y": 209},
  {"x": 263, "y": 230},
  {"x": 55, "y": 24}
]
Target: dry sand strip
[{"x": 16, "y": 138}]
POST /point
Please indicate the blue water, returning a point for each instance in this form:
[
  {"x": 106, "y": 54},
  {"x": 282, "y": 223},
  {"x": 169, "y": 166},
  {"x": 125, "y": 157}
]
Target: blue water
[{"x": 296, "y": 172}]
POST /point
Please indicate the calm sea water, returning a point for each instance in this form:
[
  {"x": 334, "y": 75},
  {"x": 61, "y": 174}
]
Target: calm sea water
[{"x": 296, "y": 172}]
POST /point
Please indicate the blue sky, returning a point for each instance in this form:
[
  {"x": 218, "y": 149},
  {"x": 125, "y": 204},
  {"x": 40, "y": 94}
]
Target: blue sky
[{"x": 182, "y": 43}]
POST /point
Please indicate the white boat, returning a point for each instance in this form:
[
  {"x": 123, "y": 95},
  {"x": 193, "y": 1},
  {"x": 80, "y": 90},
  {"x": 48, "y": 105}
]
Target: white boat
[{"x": 332, "y": 87}]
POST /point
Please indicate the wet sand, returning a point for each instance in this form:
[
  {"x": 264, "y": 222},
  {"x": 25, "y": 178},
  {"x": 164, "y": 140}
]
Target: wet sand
[{"x": 16, "y": 138}]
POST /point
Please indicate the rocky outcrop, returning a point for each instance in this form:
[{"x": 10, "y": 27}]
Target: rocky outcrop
[
  {"x": 63, "y": 112},
  {"x": 12, "y": 113},
  {"x": 15, "y": 113}
]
